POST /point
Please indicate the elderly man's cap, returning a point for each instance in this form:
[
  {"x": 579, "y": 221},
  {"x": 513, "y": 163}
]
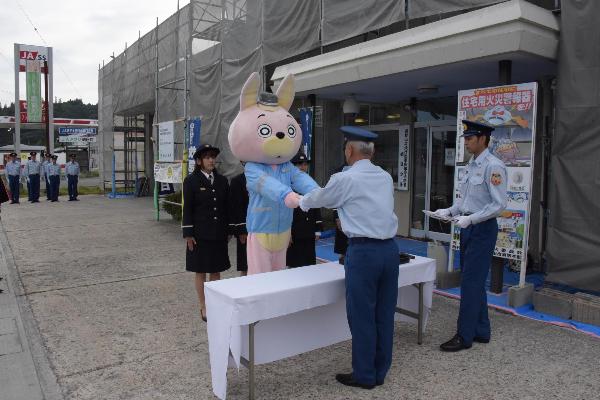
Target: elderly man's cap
[
  {"x": 73, "y": 155},
  {"x": 33, "y": 153},
  {"x": 471, "y": 128},
  {"x": 299, "y": 158},
  {"x": 355, "y": 133},
  {"x": 204, "y": 148},
  {"x": 54, "y": 157},
  {"x": 13, "y": 154}
]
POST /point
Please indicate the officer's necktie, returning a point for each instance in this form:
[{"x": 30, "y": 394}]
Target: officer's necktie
[{"x": 210, "y": 178}]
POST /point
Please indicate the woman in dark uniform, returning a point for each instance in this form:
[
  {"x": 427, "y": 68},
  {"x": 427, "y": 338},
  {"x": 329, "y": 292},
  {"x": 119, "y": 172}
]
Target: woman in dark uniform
[
  {"x": 205, "y": 221},
  {"x": 306, "y": 226},
  {"x": 238, "y": 203}
]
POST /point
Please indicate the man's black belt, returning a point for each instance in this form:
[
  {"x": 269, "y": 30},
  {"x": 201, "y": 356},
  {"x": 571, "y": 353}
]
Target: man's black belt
[{"x": 356, "y": 240}]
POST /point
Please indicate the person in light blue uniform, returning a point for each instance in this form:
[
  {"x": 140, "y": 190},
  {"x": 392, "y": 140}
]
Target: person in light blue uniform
[
  {"x": 72, "y": 171},
  {"x": 363, "y": 195},
  {"x": 13, "y": 175},
  {"x": 53, "y": 171},
  {"x": 32, "y": 172},
  {"x": 482, "y": 199},
  {"x": 47, "y": 160}
]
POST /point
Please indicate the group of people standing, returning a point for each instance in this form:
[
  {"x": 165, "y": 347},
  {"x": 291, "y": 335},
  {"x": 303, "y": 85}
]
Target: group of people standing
[
  {"x": 362, "y": 195},
  {"x": 34, "y": 171},
  {"x": 215, "y": 210}
]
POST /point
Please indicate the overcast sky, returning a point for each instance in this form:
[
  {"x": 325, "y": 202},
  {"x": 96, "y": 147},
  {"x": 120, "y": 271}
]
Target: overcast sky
[{"x": 82, "y": 33}]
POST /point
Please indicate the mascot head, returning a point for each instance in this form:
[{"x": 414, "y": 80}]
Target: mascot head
[{"x": 264, "y": 131}]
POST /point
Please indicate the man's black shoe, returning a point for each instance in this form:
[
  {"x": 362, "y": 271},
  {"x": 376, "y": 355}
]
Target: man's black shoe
[
  {"x": 480, "y": 339},
  {"x": 454, "y": 344},
  {"x": 348, "y": 380}
]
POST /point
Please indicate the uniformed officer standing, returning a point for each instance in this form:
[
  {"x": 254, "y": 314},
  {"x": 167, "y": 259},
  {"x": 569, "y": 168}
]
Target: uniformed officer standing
[
  {"x": 47, "y": 160},
  {"x": 53, "y": 171},
  {"x": 364, "y": 197},
  {"x": 306, "y": 228},
  {"x": 32, "y": 173},
  {"x": 238, "y": 206},
  {"x": 205, "y": 221},
  {"x": 13, "y": 175},
  {"x": 72, "y": 171},
  {"x": 482, "y": 199}
]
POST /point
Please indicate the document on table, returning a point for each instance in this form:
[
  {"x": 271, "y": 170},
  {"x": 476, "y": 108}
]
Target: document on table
[{"x": 443, "y": 219}]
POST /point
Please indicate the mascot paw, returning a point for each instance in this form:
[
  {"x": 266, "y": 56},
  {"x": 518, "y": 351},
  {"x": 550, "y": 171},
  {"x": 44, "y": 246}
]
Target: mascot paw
[{"x": 292, "y": 200}]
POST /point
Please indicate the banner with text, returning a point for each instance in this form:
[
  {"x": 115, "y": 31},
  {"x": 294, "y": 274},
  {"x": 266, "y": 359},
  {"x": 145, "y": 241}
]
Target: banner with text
[
  {"x": 77, "y": 135},
  {"x": 166, "y": 141},
  {"x": 194, "y": 126},
  {"x": 511, "y": 110},
  {"x": 167, "y": 172}
]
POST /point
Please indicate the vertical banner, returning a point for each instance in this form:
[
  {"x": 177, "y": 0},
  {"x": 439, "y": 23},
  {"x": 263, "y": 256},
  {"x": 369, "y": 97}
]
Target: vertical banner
[
  {"x": 193, "y": 141},
  {"x": 403, "y": 157},
  {"x": 33, "y": 85},
  {"x": 511, "y": 110},
  {"x": 166, "y": 141},
  {"x": 306, "y": 124}
]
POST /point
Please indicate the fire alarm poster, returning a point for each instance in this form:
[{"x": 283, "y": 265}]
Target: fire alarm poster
[{"x": 511, "y": 110}]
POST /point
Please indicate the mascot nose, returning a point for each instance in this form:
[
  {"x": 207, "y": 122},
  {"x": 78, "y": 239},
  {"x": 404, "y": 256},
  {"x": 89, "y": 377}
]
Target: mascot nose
[{"x": 280, "y": 135}]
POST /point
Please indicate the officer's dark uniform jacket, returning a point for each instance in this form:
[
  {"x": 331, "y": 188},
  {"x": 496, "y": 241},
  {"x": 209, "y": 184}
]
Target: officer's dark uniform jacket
[
  {"x": 205, "y": 207},
  {"x": 305, "y": 224},
  {"x": 238, "y": 205}
]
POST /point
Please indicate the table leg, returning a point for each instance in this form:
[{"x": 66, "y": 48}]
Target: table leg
[
  {"x": 251, "y": 361},
  {"x": 420, "y": 319}
]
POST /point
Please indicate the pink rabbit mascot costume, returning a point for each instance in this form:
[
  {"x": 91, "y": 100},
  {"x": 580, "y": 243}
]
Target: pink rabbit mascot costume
[{"x": 267, "y": 137}]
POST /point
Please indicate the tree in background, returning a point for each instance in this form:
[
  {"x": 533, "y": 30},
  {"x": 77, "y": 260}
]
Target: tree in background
[{"x": 68, "y": 109}]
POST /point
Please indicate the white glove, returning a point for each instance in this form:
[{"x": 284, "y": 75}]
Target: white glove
[
  {"x": 443, "y": 212},
  {"x": 463, "y": 221}
]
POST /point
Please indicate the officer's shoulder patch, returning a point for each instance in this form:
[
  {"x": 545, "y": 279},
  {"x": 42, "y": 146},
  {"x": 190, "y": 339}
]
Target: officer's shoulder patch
[{"x": 496, "y": 178}]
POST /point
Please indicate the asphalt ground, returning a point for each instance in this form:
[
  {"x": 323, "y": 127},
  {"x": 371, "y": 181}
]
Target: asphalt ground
[{"x": 109, "y": 313}]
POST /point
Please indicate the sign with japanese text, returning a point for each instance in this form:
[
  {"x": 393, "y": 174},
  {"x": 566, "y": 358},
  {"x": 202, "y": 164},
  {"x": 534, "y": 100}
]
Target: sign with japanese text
[
  {"x": 403, "y": 157},
  {"x": 77, "y": 135},
  {"x": 511, "y": 110},
  {"x": 166, "y": 141},
  {"x": 194, "y": 127}
]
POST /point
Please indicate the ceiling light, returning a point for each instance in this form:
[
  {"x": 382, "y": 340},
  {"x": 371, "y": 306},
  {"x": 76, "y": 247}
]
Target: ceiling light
[
  {"x": 350, "y": 105},
  {"x": 360, "y": 120},
  {"x": 393, "y": 116},
  {"x": 427, "y": 89}
]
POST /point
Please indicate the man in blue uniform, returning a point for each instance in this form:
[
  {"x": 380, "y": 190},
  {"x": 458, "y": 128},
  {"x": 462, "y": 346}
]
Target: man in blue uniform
[
  {"x": 47, "y": 160},
  {"x": 364, "y": 197},
  {"x": 32, "y": 173},
  {"x": 53, "y": 171},
  {"x": 72, "y": 172},
  {"x": 482, "y": 199},
  {"x": 13, "y": 174}
]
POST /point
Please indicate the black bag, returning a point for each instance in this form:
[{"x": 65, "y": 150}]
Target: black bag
[{"x": 405, "y": 258}]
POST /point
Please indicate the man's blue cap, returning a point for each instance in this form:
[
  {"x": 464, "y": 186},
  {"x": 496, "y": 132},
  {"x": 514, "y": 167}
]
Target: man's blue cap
[
  {"x": 359, "y": 134},
  {"x": 471, "y": 128}
]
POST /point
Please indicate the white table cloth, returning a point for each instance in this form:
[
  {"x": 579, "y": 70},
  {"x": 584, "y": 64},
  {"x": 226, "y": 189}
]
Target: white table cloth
[{"x": 299, "y": 310}]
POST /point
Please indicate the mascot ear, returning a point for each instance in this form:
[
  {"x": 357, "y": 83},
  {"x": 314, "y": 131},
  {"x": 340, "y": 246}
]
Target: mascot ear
[
  {"x": 249, "y": 94},
  {"x": 285, "y": 92}
]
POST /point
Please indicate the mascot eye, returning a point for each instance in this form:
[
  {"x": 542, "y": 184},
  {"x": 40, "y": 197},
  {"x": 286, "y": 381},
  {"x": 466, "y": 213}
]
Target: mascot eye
[
  {"x": 264, "y": 131},
  {"x": 291, "y": 131}
]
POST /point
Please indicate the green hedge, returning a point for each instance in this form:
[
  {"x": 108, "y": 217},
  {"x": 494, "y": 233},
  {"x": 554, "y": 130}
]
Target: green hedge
[{"x": 171, "y": 209}]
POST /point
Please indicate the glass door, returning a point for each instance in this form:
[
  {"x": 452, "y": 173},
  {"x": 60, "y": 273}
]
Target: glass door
[{"x": 433, "y": 178}]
